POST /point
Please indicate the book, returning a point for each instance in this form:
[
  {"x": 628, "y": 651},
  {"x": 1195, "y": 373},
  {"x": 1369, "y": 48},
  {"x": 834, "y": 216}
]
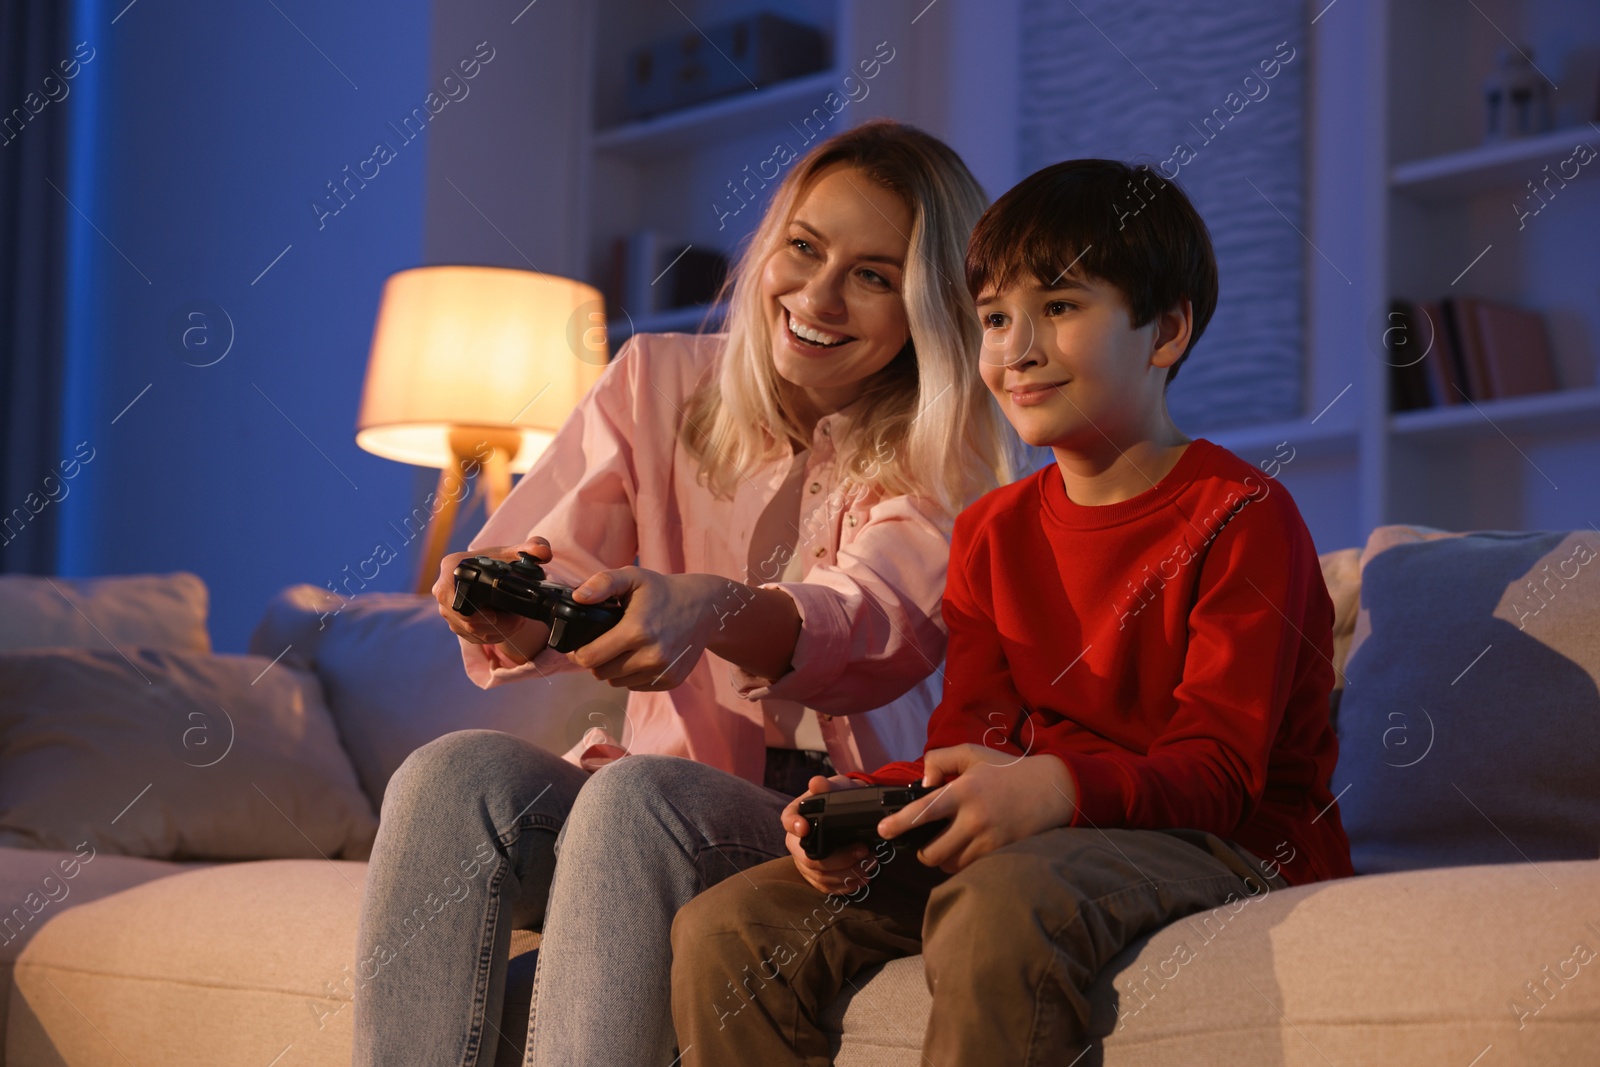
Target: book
[
  {"x": 1462, "y": 312},
  {"x": 1515, "y": 348},
  {"x": 1441, "y": 360},
  {"x": 641, "y": 296},
  {"x": 1405, "y": 342}
]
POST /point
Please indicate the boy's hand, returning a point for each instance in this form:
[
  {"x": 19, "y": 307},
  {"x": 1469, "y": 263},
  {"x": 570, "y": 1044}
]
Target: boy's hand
[
  {"x": 992, "y": 799},
  {"x": 829, "y": 874}
]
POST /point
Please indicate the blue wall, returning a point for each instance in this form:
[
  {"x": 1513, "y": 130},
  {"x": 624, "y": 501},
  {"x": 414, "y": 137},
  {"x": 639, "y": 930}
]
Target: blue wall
[{"x": 207, "y": 134}]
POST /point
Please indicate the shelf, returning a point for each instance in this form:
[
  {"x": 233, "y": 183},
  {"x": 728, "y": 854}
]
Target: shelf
[
  {"x": 717, "y": 120},
  {"x": 1320, "y": 440},
  {"x": 1487, "y": 167},
  {"x": 1542, "y": 414}
]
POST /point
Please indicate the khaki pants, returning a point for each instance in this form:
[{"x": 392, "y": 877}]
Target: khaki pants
[{"x": 1011, "y": 944}]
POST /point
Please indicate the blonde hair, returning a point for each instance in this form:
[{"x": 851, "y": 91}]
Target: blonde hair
[{"x": 925, "y": 425}]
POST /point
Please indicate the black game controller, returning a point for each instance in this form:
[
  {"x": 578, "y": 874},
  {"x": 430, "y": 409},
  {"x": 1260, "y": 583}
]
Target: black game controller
[
  {"x": 846, "y": 816},
  {"x": 518, "y": 586}
]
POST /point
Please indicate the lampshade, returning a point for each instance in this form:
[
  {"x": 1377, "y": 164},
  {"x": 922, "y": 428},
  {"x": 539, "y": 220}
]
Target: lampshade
[{"x": 460, "y": 348}]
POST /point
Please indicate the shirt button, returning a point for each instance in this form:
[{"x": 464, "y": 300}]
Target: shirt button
[
  {"x": 821, "y": 551},
  {"x": 816, "y": 487},
  {"x": 851, "y": 519},
  {"x": 827, "y": 431}
]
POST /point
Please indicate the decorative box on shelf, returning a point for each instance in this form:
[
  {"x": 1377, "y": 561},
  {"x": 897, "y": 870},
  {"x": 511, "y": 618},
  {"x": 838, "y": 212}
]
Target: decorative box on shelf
[{"x": 733, "y": 57}]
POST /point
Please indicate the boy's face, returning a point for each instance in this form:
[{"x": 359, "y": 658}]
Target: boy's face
[{"x": 1067, "y": 366}]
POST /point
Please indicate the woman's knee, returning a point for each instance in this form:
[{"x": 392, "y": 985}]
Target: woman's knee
[
  {"x": 456, "y": 771},
  {"x": 621, "y": 793}
]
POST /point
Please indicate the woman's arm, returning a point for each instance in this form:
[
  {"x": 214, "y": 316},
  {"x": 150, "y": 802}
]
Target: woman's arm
[
  {"x": 854, "y": 635},
  {"x": 870, "y": 620},
  {"x": 758, "y": 636},
  {"x": 673, "y": 618},
  {"x": 579, "y": 497}
]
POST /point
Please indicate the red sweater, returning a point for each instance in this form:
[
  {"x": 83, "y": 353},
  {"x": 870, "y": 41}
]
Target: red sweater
[{"x": 1173, "y": 650}]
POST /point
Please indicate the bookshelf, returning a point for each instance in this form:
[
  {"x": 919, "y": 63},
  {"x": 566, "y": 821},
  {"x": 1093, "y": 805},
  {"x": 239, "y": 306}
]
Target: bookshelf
[
  {"x": 1486, "y": 167},
  {"x": 694, "y": 174},
  {"x": 1324, "y": 439},
  {"x": 1404, "y": 201},
  {"x": 1413, "y": 205},
  {"x": 695, "y": 127},
  {"x": 1565, "y": 411}
]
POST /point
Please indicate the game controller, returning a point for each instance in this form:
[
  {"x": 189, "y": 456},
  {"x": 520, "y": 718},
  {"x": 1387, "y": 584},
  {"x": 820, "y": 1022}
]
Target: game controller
[
  {"x": 518, "y": 586},
  {"x": 846, "y": 816}
]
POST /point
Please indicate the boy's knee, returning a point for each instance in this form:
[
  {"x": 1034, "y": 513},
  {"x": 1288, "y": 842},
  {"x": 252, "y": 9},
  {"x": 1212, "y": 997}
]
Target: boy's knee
[
  {"x": 688, "y": 925},
  {"x": 727, "y": 907},
  {"x": 988, "y": 911}
]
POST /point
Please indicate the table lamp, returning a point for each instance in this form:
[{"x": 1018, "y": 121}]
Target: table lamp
[{"x": 475, "y": 366}]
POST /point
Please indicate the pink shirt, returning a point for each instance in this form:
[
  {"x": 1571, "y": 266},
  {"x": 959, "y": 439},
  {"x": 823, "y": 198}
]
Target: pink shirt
[{"x": 616, "y": 482}]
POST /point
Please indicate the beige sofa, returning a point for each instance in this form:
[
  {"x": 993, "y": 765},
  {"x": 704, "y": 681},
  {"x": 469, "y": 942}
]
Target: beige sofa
[{"x": 1481, "y": 957}]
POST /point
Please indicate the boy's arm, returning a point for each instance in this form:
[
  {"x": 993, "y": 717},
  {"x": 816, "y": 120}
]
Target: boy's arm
[
  {"x": 980, "y": 704},
  {"x": 1259, "y": 599}
]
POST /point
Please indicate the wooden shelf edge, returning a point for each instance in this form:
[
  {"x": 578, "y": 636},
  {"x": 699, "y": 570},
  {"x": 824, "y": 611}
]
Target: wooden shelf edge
[
  {"x": 684, "y": 129},
  {"x": 1539, "y": 413},
  {"x": 1312, "y": 440},
  {"x": 1485, "y": 166}
]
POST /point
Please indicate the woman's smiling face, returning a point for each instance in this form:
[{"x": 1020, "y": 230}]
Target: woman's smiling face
[{"x": 833, "y": 289}]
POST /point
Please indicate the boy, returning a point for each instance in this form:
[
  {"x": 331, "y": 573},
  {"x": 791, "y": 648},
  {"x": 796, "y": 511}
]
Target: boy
[{"x": 1134, "y": 725}]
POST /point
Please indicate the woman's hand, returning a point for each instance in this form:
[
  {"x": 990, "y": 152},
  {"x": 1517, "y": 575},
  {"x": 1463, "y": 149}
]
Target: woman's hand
[
  {"x": 662, "y": 634},
  {"x": 992, "y": 799},
  {"x": 519, "y": 639},
  {"x": 843, "y": 872}
]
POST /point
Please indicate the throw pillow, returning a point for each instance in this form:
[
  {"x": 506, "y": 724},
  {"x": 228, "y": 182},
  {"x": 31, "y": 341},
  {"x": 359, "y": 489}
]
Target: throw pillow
[
  {"x": 1469, "y": 729},
  {"x": 146, "y": 610},
  {"x": 173, "y": 755},
  {"x": 394, "y": 680},
  {"x": 1341, "y": 573}
]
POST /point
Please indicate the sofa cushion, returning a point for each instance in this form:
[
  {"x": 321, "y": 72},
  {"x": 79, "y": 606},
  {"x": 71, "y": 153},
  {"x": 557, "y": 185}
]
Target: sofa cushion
[
  {"x": 1469, "y": 729},
  {"x": 173, "y": 755},
  {"x": 36, "y": 886},
  {"x": 1422, "y": 968},
  {"x": 229, "y": 965},
  {"x": 393, "y": 676},
  {"x": 149, "y": 610},
  {"x": 238, "y": 964}
]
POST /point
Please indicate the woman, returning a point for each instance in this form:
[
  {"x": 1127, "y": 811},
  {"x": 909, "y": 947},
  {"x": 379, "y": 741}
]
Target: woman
[{"x": 819, "y": 451}]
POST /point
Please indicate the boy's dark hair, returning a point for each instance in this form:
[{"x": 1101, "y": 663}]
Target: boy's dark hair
[{"x": 1122, "y": 224}]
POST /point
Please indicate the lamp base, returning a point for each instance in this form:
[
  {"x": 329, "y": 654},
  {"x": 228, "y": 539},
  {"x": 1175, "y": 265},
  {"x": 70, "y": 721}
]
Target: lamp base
[{"x": 475, "y": 449}]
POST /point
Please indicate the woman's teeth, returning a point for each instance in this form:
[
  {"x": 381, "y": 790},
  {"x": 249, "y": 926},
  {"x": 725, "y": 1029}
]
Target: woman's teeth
[{"x": 820, "y": 338}]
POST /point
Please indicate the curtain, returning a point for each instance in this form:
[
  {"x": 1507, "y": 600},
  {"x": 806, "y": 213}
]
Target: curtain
[{"x": 35, "y": 39}]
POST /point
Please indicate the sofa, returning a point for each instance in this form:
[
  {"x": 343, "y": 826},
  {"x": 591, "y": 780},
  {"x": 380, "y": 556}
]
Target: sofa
[{"x": 211, "y": 920}]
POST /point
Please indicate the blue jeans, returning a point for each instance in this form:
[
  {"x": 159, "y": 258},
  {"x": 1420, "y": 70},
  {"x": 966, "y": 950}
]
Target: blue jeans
[{"x": 467, "y": 851}]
